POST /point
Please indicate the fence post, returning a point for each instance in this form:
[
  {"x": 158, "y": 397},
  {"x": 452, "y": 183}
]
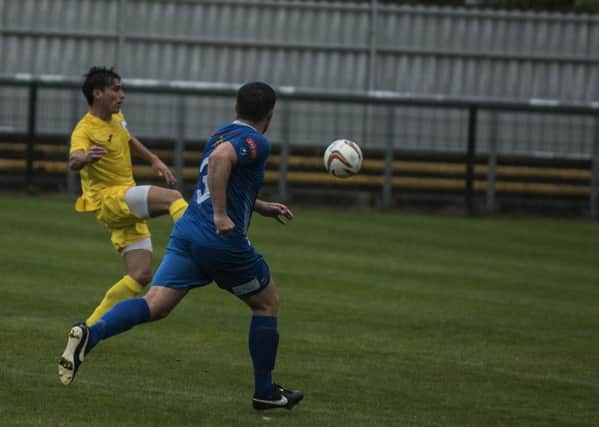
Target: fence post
[
  {"x": 33, "y": 89},
  {"x": 492, "y": 163},
  {"x": 120, "y": 39},
  {"x": 471, "y": 157},
  {"x": 284, "y": 151},
  {"x": 371, "y": 70},
  {"x": 72, "y": 181},
  {"x": 372, "y": 44},
  {"x": 595, "y": 173},
  {"x": 388, "y": 168},
  {"x": 179, "y": 148}
]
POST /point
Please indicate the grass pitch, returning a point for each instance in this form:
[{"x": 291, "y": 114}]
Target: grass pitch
[{"x": 387, "y": 319}]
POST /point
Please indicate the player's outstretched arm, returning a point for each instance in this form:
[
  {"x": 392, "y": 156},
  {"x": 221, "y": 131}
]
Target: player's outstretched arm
[
  {"x": 273, "y": 209},
  {"x": 80, "y": 158},
  {"x": 220, "y": 164},
  {"x": 158, "y": 165}
]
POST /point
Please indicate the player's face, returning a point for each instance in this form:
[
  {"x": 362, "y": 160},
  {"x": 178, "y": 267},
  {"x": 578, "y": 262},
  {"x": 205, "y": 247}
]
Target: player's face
[
  {"x": 111, "y": 97},
  {"x": 268, "y": 119}
]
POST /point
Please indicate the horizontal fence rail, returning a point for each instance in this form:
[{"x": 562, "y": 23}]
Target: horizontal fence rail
[{"x": 463, "y": 174}]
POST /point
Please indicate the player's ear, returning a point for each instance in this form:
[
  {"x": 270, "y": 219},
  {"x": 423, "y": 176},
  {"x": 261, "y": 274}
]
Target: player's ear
[{"x": 97, "y": 93}]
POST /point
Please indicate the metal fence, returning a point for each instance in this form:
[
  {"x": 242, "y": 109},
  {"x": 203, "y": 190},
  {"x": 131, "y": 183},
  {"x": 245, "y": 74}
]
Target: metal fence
[
  {"x": 286, "y": 133},
  {"x": 525, "y": 133},
  {"x": 416, "y": 51},
  {"x": 335, "y": 45}
]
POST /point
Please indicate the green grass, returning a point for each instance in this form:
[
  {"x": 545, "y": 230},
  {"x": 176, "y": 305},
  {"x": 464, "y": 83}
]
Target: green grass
[{"x": 386, "y": 319}]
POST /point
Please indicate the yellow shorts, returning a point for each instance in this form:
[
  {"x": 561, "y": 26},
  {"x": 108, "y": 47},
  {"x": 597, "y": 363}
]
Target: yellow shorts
[{"x": 115, "y": 214}]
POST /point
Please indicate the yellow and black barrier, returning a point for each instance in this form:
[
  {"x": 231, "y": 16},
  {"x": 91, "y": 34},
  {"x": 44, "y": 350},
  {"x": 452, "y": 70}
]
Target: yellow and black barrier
[{"x": 569, "y": 179}]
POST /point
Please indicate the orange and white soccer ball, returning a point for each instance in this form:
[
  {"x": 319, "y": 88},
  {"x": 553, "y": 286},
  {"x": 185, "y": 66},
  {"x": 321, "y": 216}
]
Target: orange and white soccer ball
[{"x": 343, "y": 158}]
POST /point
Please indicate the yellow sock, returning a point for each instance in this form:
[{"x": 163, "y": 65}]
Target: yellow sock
[
  {"x": 177, "y": 209},
  {"x": 125, "y": 288}
]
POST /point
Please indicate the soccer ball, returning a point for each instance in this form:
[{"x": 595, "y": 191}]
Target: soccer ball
[{"x": 343, "y": 158}]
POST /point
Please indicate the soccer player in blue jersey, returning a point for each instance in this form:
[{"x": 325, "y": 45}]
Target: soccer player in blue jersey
[{"x": 210, "y": 243}]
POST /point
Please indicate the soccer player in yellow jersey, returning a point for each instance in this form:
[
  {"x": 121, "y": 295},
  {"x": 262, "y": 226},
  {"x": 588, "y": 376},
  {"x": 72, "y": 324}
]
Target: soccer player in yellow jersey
[{"x": 101, "y": 148}]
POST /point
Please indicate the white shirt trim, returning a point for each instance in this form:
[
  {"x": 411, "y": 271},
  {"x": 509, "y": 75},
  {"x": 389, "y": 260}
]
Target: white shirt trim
[{"x": 239, "y": 122}]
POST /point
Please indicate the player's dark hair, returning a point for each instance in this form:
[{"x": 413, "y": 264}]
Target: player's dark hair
[
  {"x": 255, "y": 100},
  {"x": 97, "y": 78}
]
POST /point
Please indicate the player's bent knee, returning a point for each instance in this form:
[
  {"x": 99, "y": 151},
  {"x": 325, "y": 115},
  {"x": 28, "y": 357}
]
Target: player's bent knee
[
  {"x": 265, "y": 302},
  {"x": 266, "y": 310},
  {"x": 175, "y": 195},
  {"x": 272, "y": 296},
  {"x": 273, "y": 303},
  {"x": 157, "y": 313},
  {"x": 158, "y": 310},
  {"x": 160, "y": 199},
  {"x": 161, "y": 300},
  {"x": 143, "y": 277}
]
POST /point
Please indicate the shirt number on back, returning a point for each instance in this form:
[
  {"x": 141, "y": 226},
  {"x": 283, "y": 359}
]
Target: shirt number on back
[{"x": 203, "y": 194}]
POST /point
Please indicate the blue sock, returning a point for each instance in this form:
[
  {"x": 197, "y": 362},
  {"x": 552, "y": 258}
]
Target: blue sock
[
  {"x": 122, "y": 317},
  {"x": 263, "y": 343}
]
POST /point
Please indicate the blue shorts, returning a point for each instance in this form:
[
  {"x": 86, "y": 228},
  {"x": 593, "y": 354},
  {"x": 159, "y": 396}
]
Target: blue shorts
[{"x": 188, "y": 264}]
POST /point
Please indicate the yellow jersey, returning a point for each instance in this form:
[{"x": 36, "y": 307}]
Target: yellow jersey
[{"x": 113, "y": 169}]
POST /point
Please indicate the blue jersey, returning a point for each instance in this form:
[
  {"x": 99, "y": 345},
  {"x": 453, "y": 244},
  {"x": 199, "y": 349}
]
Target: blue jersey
[
  {"x": 245, "y": 181},
  {"x": 196, "y": 255}
]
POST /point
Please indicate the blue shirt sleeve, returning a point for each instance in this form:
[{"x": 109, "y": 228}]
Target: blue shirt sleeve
[{"x": 251, "y": 149}]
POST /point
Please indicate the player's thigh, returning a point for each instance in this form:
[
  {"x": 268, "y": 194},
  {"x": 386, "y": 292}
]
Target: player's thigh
[
  {"x": 159, "y": 199},
  {"x": 114, "y": 211},
  {"x": 244, "y": 274},
  {"x": 265, "y": 302},
  {"x": 178, "y": 268},
  {"x": 137, "y": 200},
  {"x": 147, "y": 201},
  {"x": 135, "y": 235}
]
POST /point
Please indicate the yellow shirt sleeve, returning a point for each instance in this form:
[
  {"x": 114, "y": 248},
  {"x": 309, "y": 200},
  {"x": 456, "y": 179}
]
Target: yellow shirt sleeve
[{"x": 79, "y": 140}]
